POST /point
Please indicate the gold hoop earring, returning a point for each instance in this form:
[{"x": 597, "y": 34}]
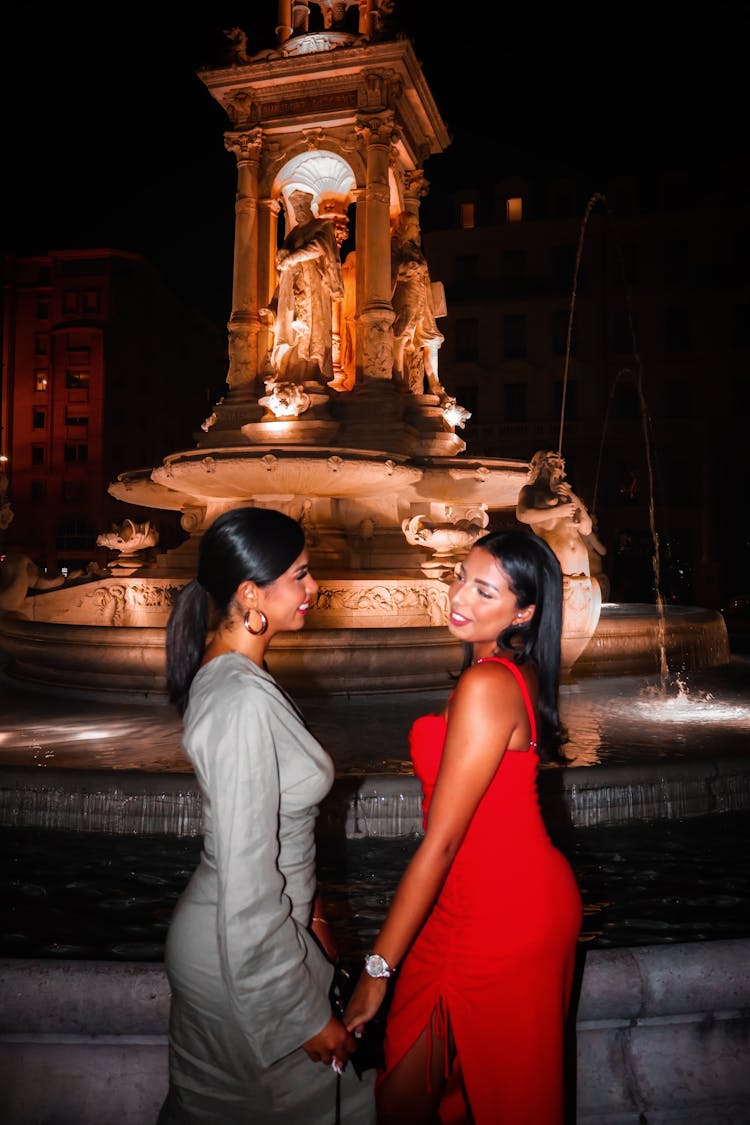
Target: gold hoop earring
[{"x": 263, "y": 622}]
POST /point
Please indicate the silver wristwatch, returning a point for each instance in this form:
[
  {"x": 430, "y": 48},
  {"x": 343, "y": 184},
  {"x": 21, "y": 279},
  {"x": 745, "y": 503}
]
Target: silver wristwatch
[{"x": 377, "y": 966}]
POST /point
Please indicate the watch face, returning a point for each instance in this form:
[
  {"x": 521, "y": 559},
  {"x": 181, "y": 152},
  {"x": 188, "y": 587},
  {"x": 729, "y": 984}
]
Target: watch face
[{"x": 376, "y": 966}]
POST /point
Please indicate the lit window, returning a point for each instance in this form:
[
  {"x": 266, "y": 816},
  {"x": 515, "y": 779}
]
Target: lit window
[
  {"x": 514, "y": 209},
  {"x": 40, "y": 379},
  {"x": 467, "y": 216}
]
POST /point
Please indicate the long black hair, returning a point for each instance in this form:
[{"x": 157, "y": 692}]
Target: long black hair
[
  {"x": 535, "y": 579},
  {"x": 245, "y": 544}
]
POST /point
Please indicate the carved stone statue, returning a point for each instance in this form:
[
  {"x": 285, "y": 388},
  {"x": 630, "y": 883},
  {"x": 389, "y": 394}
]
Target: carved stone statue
[
  {"x": 416, "y": 336},
  {"x": 549, "y": 506},
  {"x": 238, "y": 46},
  {"x": 552, "y": 510},
  {"x": 309, "y": 281}
]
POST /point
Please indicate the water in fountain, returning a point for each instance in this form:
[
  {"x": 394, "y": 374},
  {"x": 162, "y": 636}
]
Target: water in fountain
[{"x": 599, "y": 198}]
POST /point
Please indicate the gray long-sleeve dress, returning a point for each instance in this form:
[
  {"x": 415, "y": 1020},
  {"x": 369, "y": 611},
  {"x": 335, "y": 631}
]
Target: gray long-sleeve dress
[{"x": 249, "y": 983}]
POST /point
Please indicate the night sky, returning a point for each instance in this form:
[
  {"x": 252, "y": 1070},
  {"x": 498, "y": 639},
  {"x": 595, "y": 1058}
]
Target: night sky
[{"x": 110, "y": 138}]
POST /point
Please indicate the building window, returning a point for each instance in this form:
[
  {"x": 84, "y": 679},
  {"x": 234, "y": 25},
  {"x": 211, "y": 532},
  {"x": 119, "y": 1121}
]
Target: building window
[
  {"x": 74, "y": 418},
  {"x": 42, "y": 308},
  {"x": 37, "y": 455},
  {"x": 515, "y": 402},
  {"x": 41, "y": 343},
  {"x": 74, "y": 491},
  {"x": 514, "y": 337},
  {"x": 560, "y": 322},
  {"x": 91, "y": 300},
  {"x": 679, "y": 403},
  {"x": 514, "y": 209},
  {"x": 466, "y": 268},
  {"x": 676, "y": 330},
  {"x": 74, "y": 535},
  {"x": 40, "y": 379},
  {"x": 467, "y": 340},
  {"x": 38, "y": 491},
  {"x": 563, "y": 265},
  {"x": 676, "y": 261},
  {"x": 514, "y": 265},
  {"x": 571, "y": 400},
  {"x": 76, "y": 378},
  {"x": 70, "y": 301},
  {"x": 76, "y": 452},
  {"x": 39, "y": 418},
  {"x": 741, "y": 326},
  {"x": 467, "y": 216}
]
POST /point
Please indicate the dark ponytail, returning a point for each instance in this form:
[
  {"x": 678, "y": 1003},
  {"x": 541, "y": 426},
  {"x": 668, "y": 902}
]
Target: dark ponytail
[{"x": 245, "y": 544}]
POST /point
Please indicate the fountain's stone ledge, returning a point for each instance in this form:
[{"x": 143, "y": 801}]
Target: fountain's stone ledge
[{"x": 381, "y": 640}]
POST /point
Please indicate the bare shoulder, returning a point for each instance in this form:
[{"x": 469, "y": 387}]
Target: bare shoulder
[{"x": 491, "y": 683}]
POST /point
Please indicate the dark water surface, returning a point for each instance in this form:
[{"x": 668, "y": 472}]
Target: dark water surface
[{"x": 110, "y": 897}]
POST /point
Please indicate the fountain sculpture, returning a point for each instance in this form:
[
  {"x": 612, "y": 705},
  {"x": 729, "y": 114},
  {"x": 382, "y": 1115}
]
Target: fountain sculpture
[{"x": 334, "y": 410}]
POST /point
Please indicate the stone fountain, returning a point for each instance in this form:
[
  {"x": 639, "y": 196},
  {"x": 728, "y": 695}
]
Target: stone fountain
[{"x": 334, "y": 410}]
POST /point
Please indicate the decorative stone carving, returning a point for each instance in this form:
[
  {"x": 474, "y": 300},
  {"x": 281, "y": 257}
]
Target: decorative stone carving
[
  {"x": 285, "y": 400},
  {"x": 133, "y": 542},
  {"x": 552, "y": 510},
  {"x": 449, "y": 541}
]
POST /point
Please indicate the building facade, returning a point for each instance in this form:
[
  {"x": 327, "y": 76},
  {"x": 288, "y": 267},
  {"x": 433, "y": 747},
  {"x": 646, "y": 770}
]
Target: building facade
[
  {"x": 616, "y": 328},
  {"x": 103, "y": 370}
]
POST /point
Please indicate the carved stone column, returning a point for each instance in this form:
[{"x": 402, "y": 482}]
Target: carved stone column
[
  {"x": 244, "y": 323},
  {"x": 376, "y": 317},
  {"x": 268, "y": 212}
]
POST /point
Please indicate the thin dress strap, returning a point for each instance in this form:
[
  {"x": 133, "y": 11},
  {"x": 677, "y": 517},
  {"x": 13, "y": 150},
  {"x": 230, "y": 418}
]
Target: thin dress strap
[{"x": 524, "y": 691}]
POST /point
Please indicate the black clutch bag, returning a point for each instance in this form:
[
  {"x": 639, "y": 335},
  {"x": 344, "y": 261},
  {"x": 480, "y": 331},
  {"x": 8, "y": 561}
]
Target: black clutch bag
[{"x": 369, "y": 1052}]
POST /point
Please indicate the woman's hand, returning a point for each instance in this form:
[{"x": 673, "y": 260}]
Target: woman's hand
[
  {"x": 333, "y": 1042},
  {"x": 365, "y": 1002}
]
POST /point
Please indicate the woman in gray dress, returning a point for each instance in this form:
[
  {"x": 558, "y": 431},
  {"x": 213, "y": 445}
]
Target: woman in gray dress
[{"x": 252, "y": 1035}]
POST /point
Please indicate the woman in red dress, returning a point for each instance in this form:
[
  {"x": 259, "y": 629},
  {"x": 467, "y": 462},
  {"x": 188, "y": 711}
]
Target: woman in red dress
[{"x": 483, "y": 928}]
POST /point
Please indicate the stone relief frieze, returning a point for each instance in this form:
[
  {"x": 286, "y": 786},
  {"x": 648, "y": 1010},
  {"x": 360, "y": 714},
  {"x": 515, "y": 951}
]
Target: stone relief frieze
[
  {"x": 344, "y": 99},
  {"x": 378, "y": 600},
  {"x": 113, "y": 603}
]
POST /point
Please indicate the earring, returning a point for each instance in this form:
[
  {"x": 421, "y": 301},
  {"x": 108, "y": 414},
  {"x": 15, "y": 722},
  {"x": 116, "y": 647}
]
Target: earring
[{"x": 263, "y": 622}]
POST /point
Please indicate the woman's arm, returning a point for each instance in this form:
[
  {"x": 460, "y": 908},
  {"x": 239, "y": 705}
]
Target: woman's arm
[
  {"x": 322, "y": 930},
  {"x": 484, "y": 712}
]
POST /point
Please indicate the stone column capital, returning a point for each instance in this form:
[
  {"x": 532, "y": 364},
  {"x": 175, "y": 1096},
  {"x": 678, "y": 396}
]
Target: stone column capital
[
  {"x": 376, "y": 129},
  {"x": 245, "y": 144}
]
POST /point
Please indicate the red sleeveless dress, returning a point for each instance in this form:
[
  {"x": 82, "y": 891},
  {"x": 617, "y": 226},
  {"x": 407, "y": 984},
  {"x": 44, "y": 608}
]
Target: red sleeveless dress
[{"x": 495, "y": 956}]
